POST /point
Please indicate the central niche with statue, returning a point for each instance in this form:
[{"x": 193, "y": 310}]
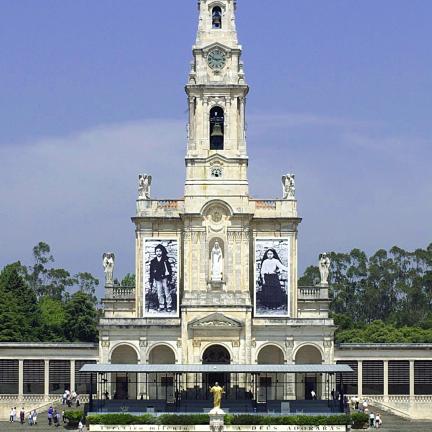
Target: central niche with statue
[{"x": 216, "y": 271}]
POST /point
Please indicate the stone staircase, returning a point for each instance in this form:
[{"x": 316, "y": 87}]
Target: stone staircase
[{"x": 393, "y": 423}]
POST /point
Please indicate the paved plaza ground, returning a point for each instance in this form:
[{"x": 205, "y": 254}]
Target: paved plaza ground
[{"x": 391, "y": 423}]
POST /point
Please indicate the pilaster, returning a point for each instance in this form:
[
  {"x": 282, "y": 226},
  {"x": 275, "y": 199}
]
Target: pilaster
[
  {"x": 385, "y": 391},
  {"x": 72, "y": 375},
  {"x": 20, "y": 379},
  {"x": 360, "y": 378},
  {"x": 411, "y": 379},
  {"x": 46, "y": 380}
]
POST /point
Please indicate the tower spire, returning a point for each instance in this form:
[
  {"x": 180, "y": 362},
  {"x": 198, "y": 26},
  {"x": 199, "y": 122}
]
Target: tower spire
[{"x": 216, "y": 159}]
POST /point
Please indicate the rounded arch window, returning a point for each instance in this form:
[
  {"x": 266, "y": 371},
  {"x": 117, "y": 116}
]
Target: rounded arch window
[
  {"x": 217, "y": 17},
  {"x": 217, "y": 120}
]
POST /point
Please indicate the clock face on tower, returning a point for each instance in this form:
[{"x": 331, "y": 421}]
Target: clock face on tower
[{"x": 216, "y": 59}]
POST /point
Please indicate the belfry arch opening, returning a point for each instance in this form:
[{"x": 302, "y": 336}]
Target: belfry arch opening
[
  {"x": 217, "y": 120},
  {"x": 216, "y": 17}
]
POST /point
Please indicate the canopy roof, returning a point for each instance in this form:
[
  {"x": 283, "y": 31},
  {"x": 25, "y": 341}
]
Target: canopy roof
[{"x": 208, "y": 368}]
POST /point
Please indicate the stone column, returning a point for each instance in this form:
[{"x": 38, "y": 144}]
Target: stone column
[
  {"x": 20, "y": 379},
  {"x": 385, "y": 381},
  {"x": 411, "y": 379},
  {"x": 72, "y": 376},
  {"x": 360, "y": 378},
  {"x": 46, "y": 380}
]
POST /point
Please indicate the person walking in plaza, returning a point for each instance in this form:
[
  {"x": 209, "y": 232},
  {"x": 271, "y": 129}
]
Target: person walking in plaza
[
  {"x": 14, "y": 414},
  {"x": 50, "y": 415},
  {"x": 22, "y": 416},
  {"x": 160, "y": 275},
  {"x": 11, "y": 416},
  {"x": 35, "y": 417},
  {"x": 371, "y": 419},
  {"x": 378, "y": 421},
  {"x": 30, "y": 418}
]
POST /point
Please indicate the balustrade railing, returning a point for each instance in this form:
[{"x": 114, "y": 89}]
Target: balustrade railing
[
  {"x": 313, "y": 293},
  {"x": 120, "y": 292},
  {"x": 265, "y": 204}
]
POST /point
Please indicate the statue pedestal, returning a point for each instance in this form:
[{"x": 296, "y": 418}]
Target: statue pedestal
[
  {"x": 216, "y": 420},
  {"x": 216, "y": 285}
]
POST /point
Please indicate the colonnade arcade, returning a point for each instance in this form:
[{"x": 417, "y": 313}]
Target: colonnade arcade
[{"x": 270, "y": 383}]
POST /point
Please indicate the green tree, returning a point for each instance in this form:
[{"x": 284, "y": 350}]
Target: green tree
[
  {"x": 53, "y": 319},
  {"x": 19, "y": 312},
  {"x": 81, "y": 318},
  {"x": 128, "y": 280},
  {"x": 87, "y": 283}
]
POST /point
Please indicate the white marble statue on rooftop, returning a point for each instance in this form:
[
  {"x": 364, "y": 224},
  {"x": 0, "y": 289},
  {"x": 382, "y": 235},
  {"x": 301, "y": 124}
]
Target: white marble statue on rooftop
[
  {"x": 144, "y": 184},
  {"x": 216, "y": 262},
  {"x": 324, "y": 266},
  {"x": 108, "y": 265},
  {"x": 288, "y": 183}
]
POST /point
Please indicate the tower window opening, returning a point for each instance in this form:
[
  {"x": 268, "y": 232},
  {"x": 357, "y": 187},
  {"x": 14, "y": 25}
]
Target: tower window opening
[
  {"x": 216, "y": 128},
  {"x": 217, "y": 18}
]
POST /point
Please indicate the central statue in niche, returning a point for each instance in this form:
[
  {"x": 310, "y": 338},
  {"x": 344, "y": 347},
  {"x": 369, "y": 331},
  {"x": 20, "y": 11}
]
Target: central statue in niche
[{"x": 216, "y": 263}]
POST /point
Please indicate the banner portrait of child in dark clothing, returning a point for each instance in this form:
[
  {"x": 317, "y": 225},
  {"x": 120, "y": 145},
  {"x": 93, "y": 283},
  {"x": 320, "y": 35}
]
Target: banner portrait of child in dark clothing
[{"x": 160, "y": 277}]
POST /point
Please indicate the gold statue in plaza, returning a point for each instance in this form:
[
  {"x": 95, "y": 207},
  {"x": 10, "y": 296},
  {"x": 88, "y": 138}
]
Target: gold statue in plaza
[{"x": 217, "y": 392}]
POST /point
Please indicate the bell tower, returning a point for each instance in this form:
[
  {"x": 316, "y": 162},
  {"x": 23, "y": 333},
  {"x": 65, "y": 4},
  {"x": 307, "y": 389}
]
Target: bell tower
[{"x": 216, "y": 159}]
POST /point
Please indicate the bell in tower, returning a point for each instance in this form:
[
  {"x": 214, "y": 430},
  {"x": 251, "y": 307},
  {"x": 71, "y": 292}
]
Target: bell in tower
[
  {"x": 217, "y": 18},
  {"x": 216, "y": 128}
]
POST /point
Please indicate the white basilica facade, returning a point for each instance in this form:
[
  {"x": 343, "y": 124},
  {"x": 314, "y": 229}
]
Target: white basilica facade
[
  {"x": 216, "y": 295},
  {"x": 237, "y": 306}
]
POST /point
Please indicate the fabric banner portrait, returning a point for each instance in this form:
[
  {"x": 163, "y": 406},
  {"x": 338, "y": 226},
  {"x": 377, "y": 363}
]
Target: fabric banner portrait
[
  {"x": 161, "y": 294},
  {"x": 272, "y": 277}
]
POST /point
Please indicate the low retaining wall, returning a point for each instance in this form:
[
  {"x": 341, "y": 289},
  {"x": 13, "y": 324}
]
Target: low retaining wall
[{"x": 205, "y": 428}]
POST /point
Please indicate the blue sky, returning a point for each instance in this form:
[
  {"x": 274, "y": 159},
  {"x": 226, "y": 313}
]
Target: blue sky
[{"x": 91, "y": 95}]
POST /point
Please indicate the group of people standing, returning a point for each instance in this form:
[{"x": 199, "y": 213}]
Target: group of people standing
[
  {"x": 31, "y": 418},
  {"x": 375, "y": 420},
  {"x": 69, "y": 398}
]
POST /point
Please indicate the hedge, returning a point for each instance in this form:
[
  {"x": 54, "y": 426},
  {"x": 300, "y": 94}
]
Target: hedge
[
  {"x": 230, "y": 419},
  {"x": 73, "y": 417}
]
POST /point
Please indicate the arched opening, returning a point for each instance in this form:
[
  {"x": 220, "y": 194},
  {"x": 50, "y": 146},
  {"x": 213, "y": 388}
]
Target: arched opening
[
  {"x": 217, "y": 17},
  {"x": 309, "y": 385},
  {"x": 124, "y": 383},
  {"x": 217, "y": 120},
  {"x": 216, "y": 354},
  {"x": 271, "y": 385},
  {"x": 161, "y": 386}
]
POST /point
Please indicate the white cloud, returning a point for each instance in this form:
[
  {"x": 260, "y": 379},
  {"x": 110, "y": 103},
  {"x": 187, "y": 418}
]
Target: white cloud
[{"x": 78, "y": 192}]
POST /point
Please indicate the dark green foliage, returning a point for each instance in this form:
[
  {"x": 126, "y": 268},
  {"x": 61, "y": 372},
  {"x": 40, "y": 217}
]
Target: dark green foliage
[
  {"x": 19, "y": 312},
  {"x": 128, "y": 280},
  {"x": 73, "y": 417},
  {"x": 230, "y": 419},
  {"x": 38, "y": 306},
  {"x": 359, "y": 420},
  {"x": 81, "y": 318},
  {"x": 192, "y": 419},
  {"x": 386, "y": 297},
  {"x": 121, "y": 419}
]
